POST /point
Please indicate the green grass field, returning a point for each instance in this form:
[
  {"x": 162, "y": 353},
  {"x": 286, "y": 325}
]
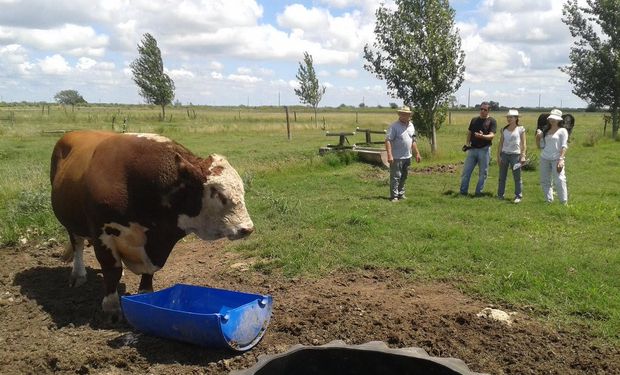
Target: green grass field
[{"x": 318, "y": 214}]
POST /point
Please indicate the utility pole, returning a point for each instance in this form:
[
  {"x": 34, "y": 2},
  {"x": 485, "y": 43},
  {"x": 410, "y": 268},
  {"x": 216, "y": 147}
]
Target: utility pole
[{"x": 539, "y": 101}]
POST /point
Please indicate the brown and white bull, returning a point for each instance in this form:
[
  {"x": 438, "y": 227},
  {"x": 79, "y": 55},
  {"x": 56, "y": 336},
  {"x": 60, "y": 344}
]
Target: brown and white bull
[{"x": 133, "y": 196}]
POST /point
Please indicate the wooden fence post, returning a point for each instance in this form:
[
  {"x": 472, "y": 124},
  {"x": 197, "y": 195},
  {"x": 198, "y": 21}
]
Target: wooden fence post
[{"x": 288, "y": 124}]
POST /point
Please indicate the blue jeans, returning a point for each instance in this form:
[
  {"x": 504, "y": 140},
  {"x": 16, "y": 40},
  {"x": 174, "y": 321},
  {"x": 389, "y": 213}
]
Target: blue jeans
[
  {"x": 399, "y": 169},
  {"x": 480, "y": 157},
  {"x": 508, "y": 161}
]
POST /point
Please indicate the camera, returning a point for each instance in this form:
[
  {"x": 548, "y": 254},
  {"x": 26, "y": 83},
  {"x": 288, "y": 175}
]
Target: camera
[{"x": 465, "y": 148}]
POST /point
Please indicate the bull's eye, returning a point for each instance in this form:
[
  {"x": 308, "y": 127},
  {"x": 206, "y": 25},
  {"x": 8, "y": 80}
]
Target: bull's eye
[
  {"x": 215, "y": 194},
  {"x": 223, "y": 199}
]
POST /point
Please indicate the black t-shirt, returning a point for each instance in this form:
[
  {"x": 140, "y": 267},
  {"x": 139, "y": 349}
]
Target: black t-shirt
[{"x": 486, "y": 126}]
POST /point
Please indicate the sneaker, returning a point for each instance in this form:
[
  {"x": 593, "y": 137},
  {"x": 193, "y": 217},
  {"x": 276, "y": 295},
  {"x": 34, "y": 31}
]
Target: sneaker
[
  {"x": 517, "y": 200},
  {"x": 393, "y": 199},
  {"x": 402, "y": 197}
]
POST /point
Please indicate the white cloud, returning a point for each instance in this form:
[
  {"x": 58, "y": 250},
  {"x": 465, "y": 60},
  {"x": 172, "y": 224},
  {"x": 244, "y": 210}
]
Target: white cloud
[
  {"x": 85, "y": 63},
  {"x": 216, "y": 65},
  {"x": 180, "y": 74},
  {"x": 71, "y": 39},
  {"x": 244, "y": 71},
  {"x": 55, "y": 65},
  {"x": 216, "y": 75},
  {"x": 348, "y": 73},
  {"x": 243, "y": 78},
  {"x": 512, "y": 6}
]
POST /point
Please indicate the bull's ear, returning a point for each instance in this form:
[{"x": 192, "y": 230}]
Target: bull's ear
[{"x": 187, "y": 170}]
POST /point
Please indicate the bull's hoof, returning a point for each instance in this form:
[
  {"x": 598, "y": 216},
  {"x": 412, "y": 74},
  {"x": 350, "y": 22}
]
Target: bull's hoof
[
  {"x": 143, "y": 291},
  {"x": 111, "y": 306},
  {"x": 76, "y": 281}
]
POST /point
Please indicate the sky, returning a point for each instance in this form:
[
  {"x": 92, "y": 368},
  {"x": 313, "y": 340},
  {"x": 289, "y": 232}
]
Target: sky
[{"x": 247, "y": 52}]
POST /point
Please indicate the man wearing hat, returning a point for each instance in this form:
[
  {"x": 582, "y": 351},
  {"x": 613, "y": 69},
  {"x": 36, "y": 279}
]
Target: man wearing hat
[
  {"x": 478, "y": 146},
  {"x": 400, "y": 144}
]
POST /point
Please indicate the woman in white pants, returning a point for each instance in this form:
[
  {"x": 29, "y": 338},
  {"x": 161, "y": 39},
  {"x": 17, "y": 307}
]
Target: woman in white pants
[{"x": 553, "y": 141}]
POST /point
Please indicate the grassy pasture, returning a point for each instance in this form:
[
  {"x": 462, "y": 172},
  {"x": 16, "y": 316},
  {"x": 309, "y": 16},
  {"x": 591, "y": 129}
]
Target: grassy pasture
[{"x": 319, "y": 214}]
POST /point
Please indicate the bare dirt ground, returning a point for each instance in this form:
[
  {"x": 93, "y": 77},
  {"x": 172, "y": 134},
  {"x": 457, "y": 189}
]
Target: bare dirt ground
[{"x": 50, "y": 328}]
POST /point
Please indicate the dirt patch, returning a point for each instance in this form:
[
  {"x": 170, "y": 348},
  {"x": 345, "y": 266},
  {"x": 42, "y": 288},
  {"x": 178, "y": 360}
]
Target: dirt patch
[
  {"x": 442, "y": 168},
  {"x": 48, "y": 327}
]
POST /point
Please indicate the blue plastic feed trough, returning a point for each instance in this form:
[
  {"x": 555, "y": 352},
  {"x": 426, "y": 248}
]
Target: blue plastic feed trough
[{"x": 214, "y": 318}]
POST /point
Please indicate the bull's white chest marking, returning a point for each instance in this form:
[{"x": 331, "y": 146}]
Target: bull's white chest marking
[
  {"x": 151, "y": 136},
  {"x": 127, "y": 245}
]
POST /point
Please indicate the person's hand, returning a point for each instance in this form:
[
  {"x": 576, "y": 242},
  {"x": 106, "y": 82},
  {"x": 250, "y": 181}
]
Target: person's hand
[
  {"x": 418, "y": 158},
  {"x": 478, "y": 135},
  {"x": 390, "y": 159},
  {"x": 499, "y": 161},
  {"x": 560, "y": 165},
  {"x": 538, "y": 133},
  {"x": 522, "y": 159}
]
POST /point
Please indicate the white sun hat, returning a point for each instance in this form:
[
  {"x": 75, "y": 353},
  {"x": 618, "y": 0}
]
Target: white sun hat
[
  {"x": 404, "y": 109},
  {"x": 512, "y": 112},
  {"x": 556, "y": 114}
]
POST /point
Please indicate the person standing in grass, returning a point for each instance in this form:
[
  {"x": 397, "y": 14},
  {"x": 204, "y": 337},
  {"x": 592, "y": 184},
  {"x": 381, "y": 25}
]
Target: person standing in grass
[
  {"x": 478, "y": 146},
  {"x": 511, "y": 154},
  {"x": 553, "y": 141},
  {"x": 400, "y": 144}
]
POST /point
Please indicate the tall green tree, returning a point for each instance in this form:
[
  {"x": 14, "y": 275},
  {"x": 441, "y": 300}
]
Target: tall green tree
[
  {"x": 309, "y": 91},
  {"x": 595, "y": 56},
  {"x": 418, "y": 53},
  {"x": 69, "y": 97},
  {"x": 156, "y": 87}
]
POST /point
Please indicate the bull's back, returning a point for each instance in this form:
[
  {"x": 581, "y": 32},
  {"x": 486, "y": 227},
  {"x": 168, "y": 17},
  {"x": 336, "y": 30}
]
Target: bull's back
[{"x": 71, "y": 160}]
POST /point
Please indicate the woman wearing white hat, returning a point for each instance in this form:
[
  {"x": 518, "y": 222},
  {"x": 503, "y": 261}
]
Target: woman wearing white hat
[
  {"x": 553, "y": 141},
  {"x": 511, "y": 154}
]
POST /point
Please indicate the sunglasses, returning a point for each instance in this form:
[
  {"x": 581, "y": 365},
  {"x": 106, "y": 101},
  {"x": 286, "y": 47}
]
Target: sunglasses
[{"x": 484, "y": 109}]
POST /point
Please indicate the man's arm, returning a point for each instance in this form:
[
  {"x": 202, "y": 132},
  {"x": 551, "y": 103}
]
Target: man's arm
[
  {"x": 388, "y": 148},
  {"x": 416, "y": 153}
]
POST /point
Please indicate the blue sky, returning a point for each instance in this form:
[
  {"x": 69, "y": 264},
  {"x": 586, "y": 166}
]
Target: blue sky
[{"x": 223, "y": 52}]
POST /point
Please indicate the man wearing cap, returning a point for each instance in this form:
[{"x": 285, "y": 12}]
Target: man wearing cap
[
  {"x": 400, "y": 144},
  {"x": 478, "y": 146}
]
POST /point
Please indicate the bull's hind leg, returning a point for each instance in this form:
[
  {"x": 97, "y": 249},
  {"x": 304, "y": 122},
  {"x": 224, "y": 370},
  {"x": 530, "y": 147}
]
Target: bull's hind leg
[{"x": 74, "y": 250}]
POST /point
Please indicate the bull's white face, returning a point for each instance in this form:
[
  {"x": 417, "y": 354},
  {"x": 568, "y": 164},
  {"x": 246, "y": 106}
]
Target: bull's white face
[{"x": 223, "y": 212}]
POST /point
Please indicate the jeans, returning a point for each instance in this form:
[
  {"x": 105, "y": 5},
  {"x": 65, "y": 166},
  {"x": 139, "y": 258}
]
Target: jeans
[
  {"x": 480, "y": 157},
  {"x": 399, "y": 169},
  {"x": 508, "y": 161},
  {"x": 548, "y": 172}
]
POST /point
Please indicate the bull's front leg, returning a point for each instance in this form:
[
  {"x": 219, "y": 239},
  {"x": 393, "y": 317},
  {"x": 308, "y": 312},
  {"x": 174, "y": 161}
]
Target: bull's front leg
[
  {"x": 112, "y": 271},
  {"x": 146, "y": 283},
  {"x": 111, "y": 304}
]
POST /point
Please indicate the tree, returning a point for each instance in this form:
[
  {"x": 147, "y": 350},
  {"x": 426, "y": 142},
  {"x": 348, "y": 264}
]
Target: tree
[
  {"x": 148, "y": 73},
  {"x": 69, "y": 97},
  {"x": 309, "y": 91},
  {"x": 418, "y": 53},
  {"x": 595, "y": 56}
]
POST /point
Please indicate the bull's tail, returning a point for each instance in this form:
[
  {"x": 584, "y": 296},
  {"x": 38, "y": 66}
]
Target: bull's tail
[
  {"x": 67, "y": 255},
  {"x": 75, "y": 243}
]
